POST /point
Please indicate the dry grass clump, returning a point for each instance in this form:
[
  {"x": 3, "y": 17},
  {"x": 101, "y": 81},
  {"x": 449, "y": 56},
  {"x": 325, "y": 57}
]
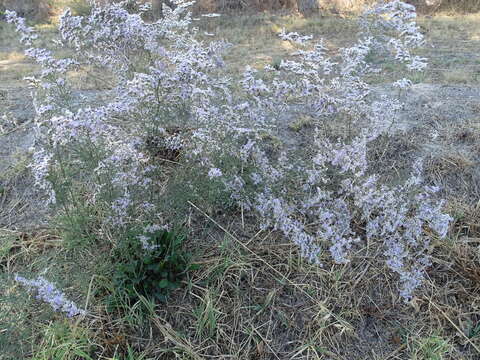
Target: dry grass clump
[
  {"x": 456, "y": 172},
  {"x": 465, "y": 6},
  {"x": 309, "y": 7},
  {"x": 40, "y": 10},
  {"x": 454, "y": 166},
  {"x": 306, "y": 7},
  {"x": 252, "y": 5}
]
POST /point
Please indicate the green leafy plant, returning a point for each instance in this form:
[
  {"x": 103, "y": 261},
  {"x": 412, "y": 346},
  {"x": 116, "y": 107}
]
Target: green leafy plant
[
  {"x": 151, "y": 272},
  {"x": 431, "y": 348}
]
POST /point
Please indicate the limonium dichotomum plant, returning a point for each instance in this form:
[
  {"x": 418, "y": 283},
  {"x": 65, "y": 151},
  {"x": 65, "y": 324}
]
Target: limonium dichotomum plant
[
  {"x": 162, "y": 76},
  {"x": 46, "y": 291}
]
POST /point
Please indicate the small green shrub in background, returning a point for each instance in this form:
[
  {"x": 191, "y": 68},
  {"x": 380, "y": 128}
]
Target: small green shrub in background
[{"x": 151, "y": 272}]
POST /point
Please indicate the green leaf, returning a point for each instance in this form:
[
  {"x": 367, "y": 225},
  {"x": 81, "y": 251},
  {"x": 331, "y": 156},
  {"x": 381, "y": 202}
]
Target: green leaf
[
  {"x": 194, "y": 267},
  {"x": 82, "y": 354},
  {"x": 163, "y": 283},
  {"x": 174, "y": 285},
  {"x": 153, "y": 267}
]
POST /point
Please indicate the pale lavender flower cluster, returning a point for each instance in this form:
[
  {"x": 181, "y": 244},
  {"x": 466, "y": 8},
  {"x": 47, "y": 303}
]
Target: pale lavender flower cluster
[
  {"x": 146, "y": 237},
  {"x": 398, "y": 17},
  {"x": 46, "y": 291},
  {"x": 214, "y": 172},
  {"x": 166, "y": 78},
  {"x": 27, "y": 34},
  {"x": 337, "y": 190},
  {"x": 293, "y": 36}
]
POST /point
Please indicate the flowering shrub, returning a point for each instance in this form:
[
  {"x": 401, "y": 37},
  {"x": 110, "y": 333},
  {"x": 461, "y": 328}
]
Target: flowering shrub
[{"x": 169, "y": 93}]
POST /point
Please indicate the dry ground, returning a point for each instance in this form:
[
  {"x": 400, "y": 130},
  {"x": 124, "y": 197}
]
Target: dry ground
[{"x": 254, "y": 297}]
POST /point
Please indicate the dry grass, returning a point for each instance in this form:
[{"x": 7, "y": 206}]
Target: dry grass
[
  {"x": 462, "y": 6},
  {"x": 305, "y": 7},
  {"x": 312, "y": 7},
  {"x": 255, "y": 298},
  {"x": 452, "y": 42},
  {"x": 455, "y": 164}
]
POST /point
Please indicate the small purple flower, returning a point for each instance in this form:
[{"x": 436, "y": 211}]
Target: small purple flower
[{"x": 214, "y": 172}]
